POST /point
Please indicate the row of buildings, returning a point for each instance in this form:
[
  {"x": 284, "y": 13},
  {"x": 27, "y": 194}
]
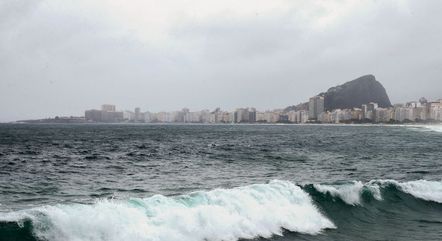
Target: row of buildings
[
  {"x": 240, "y": 115},
  {"x": 414, "y": 111}
]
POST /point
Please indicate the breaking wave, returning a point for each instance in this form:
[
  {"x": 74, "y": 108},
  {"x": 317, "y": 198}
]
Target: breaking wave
[
  {"x": 422, "y": 189},
  {"x": 259, "y": 210},
  {"x": 349, "y": 193},
  {"x": 353, "y": 193}
]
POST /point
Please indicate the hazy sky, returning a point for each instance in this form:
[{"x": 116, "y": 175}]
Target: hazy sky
[{"x": 62, "y": 57}]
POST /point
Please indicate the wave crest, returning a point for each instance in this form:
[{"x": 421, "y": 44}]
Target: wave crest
[
  {"x": 259, "y": 210},
  {"x": 422, "y": 189},
  {"x": 351, "y": 193}
]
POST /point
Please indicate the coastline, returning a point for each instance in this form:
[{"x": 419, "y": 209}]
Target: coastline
[{"x": 438, "y": 123}]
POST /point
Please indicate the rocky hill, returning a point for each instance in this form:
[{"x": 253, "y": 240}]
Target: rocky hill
[{"x": 354, "y": 93}]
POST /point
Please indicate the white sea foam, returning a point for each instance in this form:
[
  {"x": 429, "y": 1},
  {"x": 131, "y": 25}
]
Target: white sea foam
[
  {"x": 422, "y": 189},
  {"x": 434, "y": 128},
  {"x": 221, "y": 214},
  {"x": 349, "y": 193}
]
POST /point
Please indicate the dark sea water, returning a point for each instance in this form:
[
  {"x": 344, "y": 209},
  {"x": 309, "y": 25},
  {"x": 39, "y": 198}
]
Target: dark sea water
[{"x": 220, "y": 182}]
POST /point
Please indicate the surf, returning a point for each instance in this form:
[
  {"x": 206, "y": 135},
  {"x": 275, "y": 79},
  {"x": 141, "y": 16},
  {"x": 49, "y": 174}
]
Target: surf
[
  {"x": 352, "y": 193},
  {"x": 255, "y": 211},
  {"x": 259, "y": 210}
]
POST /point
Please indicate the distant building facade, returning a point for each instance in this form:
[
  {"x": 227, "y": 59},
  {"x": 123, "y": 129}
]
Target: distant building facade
[
  {"x": 107, "y": 114},
  {"x": 245, "y": 115},
  {"x": 316, "y": 107},
  {"x": 413, "y": 111}
]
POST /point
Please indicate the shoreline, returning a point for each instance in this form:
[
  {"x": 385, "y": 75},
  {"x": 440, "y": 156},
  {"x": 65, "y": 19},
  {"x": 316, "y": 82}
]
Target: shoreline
[{"x": 226, "y": 124}]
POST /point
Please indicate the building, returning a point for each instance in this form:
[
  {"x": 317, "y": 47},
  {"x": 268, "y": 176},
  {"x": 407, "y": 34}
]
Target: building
[
  {"x": 93, "y": 115},
  {"x": 372, "y": 106},
  {"x": 435, "y": 110},
  {"x": 315, "y": 107},
  {"x": 403, "y": 114},
  {"x": 192, "y": 117},
  {"x": 128, "y": 115},
  {"x": 368, "y": 111},
  {"x": 302, "y": 116},
  {"x": 357, "y": 114},
  {"x": 382, "y": 115},
  {"x": 242, "y": 115},
  {"x": 206, "y": 116},
  {"x": 106, "y": 114},
  {"x": 364, "y": 111},
  {"x": 335, "y": 116},
  {"x": 252, "y": 115},
  {"x": 291, "y": 116},
  {"x": 227, "y": 117},
  {"x": 112, "y": 116},
  {"x": 149, "y": 117},
  {"x": 420, "y": 113},
  {"x": 325, "y": 117},
  {"x": 137, "y": 115}
]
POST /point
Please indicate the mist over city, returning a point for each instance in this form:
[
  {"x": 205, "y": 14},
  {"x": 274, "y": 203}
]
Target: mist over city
[{"x": 61, "y": 58}]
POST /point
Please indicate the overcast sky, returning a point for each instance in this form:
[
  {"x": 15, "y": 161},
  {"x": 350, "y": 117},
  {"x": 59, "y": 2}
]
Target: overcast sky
[{"x": 62, "y": 57}]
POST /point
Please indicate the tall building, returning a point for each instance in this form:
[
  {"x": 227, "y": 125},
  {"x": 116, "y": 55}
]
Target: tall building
[
  {"x": 364, "y": 111},
  {"x": 252, "y": 115},
  {"x": 315, "y": 107}
]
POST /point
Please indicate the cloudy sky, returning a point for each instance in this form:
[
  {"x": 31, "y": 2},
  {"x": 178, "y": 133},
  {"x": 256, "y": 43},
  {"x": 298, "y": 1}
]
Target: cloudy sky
[{"x": 62, "y": 57}]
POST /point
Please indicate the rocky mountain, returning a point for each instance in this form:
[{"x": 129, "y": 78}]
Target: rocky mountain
[{"x": 354, "y": 93}]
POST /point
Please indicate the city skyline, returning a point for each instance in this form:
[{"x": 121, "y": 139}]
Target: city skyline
[
  {"x": 313, "y": 111},
  {"x": 420, "y": 110},
  {"x": 156, "y": 109}
]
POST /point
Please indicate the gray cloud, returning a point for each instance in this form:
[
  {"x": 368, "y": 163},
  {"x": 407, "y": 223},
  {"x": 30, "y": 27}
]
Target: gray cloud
[{"x": 62, "y": 62}]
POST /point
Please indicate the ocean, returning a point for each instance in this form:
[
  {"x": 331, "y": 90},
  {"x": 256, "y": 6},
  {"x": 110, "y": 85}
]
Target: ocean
[{"x": 130, "y": 182}]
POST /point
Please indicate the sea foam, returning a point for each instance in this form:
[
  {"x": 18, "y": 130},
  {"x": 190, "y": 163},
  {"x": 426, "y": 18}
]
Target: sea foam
[
  {"x": 434, "y": 128},
  {"x": 351, "y": 193},
  {"x": 422, "y": 189},
  {"x": 259, "y": 210}
]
